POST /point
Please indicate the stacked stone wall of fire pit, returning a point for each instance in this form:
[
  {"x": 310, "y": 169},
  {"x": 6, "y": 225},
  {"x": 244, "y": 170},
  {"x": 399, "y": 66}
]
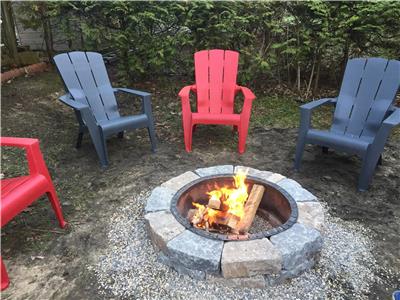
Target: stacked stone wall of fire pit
[{"x": 249, "y": 263}]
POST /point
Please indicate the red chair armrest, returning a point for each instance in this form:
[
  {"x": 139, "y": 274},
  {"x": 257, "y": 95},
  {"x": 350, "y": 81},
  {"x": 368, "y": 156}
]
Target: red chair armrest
[
  {"x": 33, "y": 154},
  {"x": 185, "y": 91},
  {"x": 184, "y": 94},
  {"x": 247, "y": 93},
  {"x": 17, "y": 142}
]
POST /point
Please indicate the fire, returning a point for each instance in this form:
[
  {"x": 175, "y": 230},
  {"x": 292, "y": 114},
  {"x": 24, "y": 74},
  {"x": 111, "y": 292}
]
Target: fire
[{"x": 231, "y": 202}]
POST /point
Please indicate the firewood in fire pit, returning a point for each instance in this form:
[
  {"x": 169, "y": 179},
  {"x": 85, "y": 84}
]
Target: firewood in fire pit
[
  {"x": 250, "y": 209},
  {"x": 233, "y": 222},
  {"x": 198, "y": 216},
  {"x": 214, "y": 203},
  {"x": 191, "y": 213}
]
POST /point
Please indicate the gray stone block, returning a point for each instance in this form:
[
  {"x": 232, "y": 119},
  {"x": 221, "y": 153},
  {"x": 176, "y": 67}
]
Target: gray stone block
[
  {"x": 296, "y": 190},
  {"x": 160, "y": 199},
  {"x": 297, "y": 244},
  {"x": 224, "y": 169},
  {"x": 163, "y": 227},
  {"x": 311, "y": 214},
  {"x": 195, "y": 252},
  {"x": 275, "y": 178},
  {"x": 180, "y": 181},
  {"x": 250, "y": 258},
  {"x": 304, "y": 266},
  {"x": 253, "y": 172},
  {"x": 196, "y": 274}
]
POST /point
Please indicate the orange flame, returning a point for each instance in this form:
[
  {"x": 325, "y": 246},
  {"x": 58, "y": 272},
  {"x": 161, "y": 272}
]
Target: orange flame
[{"x": 232, "y": 201}]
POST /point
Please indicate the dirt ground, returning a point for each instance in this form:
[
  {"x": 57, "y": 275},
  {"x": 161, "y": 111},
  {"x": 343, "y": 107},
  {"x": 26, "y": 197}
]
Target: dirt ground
[{"x": 46, "y": 262}]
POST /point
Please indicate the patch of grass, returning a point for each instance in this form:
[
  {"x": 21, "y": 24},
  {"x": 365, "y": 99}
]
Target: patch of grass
[{"x": 284, "y": 112}]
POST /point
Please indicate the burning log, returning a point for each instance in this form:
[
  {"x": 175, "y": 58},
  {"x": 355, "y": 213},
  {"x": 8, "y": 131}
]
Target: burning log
[
  {"x": 250, "y": 209},
  {"x": 233, "y": 222},
  {"x": 214, "y": 203},
  {"x": 225, "y": 206},
  {"x": 191, "y": 213}
]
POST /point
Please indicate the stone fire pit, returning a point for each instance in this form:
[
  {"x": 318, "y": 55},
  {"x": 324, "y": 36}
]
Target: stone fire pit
[{"x": 257, "y": 262}]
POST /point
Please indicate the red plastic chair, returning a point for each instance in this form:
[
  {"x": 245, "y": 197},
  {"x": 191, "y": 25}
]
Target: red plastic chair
[
  {"x": 19, "y": 192},
  {"x": 215, "y": 72}
]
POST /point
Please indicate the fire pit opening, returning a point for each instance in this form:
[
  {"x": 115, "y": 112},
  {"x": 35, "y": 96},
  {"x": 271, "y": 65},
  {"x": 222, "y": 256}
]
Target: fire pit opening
[{"x": 234, "y": 207}]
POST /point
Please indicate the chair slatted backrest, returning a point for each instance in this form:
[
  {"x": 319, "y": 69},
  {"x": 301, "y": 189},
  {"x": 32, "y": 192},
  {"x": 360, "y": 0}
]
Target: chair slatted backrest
[
  {"x": 216, "y": 72},
  {"x": 85, "y": 76},
  {"x": 368, "y": 90}
]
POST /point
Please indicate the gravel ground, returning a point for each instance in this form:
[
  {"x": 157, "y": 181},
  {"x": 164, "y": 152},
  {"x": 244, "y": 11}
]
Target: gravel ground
[{"x": 128, "y": 266}]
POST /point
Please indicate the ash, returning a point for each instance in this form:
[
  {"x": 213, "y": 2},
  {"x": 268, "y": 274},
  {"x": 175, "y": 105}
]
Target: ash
[
  {"x": 260, "y": 224},
  {"x": 129, "y": 268}
]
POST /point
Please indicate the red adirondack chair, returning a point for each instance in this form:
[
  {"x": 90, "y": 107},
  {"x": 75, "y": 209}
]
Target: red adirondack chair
[
  {"x": 215, "y": 72},
  {"x": 19, "y": 192}
]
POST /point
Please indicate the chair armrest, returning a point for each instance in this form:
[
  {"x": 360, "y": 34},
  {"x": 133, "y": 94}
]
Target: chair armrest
[
  {"x": 146, "y": 98},
  {"x": 393, "y": 119},
  {"x": 185, "y": 91},
  {"x": 17, "y": 142},
  {"x": 383, "y": 133},
  {"x": 247, "y": 93},
  {"x": 68, "y": 100},
  {"x": 34, "y": 156},
  {"x": 317, "y": 103},
  {"x": 185, "y": 94},
  {"x": 306, "y": 110},
  {"x": 133, "y": 92}
]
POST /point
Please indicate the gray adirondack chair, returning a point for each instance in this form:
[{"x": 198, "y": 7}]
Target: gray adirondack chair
[
  {"x": 364, "y": 114},
  {"x": 90, "y": 94}
]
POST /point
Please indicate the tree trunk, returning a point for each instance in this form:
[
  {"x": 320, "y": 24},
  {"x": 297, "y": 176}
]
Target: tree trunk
[
  {"x": 82, "y": 38},
  {"x": 346, "y": 51},
  {"x": 298, "y": 61},
  {"x": 8, "y": 29},
  {"x": 311, "y": 76},
  {"x": 69, "y": 39},
  {"x": 287, "y": 61},
  {"x": 47, "y": 35},
  {"x": 316, "y": 81},
  {"x": 298, "y": 76},
  {"x": 278, "y": 70}
]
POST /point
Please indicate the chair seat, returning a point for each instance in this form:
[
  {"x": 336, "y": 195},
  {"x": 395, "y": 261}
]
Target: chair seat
[
  {"x": 9, "y": 184},
  {"x": 206, "y": 118},
  {"x": 338, "y": 141},
  {"x": 129, "y": 122},
  {"x": 17, "y": 193}
]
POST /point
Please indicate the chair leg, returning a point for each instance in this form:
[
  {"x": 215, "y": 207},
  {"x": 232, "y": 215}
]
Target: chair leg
[
  {"x": 5, "y": 281},
  {"x": 325, "y": 150},
  {"x": 79, "y": 140},
  {"x": 299, "y": 152},
  {"x": 55, "y": 203},
  {"x": 367, "y": 171},
  {"x": 104, "y": 155},
  {"x": 187, "y": 133},
  {"x": 153, "y": 138},
  {"x": 121, "y": 134},
  {"x": 100, "y": 145},
  {"x": 243, "y": 131}
]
